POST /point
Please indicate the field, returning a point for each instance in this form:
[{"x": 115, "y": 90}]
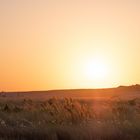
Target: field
[{"x": 86, "y": 114}]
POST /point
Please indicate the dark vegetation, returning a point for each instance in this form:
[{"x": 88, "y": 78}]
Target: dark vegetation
[{"x": 56, "y": 118}]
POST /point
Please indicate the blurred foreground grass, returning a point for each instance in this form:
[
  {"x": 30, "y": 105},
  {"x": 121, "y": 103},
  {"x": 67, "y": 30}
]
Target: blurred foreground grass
[{"x": 70, "y": 119}]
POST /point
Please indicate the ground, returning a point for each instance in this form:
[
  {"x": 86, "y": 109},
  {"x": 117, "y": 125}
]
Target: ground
[{"x": 86, "y": 114}]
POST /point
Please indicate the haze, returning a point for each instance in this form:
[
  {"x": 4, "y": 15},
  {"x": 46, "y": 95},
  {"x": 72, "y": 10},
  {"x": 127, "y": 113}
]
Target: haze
[{"x": 50, "y": 44}]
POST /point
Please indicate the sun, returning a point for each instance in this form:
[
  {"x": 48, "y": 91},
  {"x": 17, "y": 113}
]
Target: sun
[{"x": 96, "y": 69}]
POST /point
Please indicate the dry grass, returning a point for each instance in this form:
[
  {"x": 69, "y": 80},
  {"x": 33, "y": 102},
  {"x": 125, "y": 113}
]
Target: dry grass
[{"x": 70, "y": 119}]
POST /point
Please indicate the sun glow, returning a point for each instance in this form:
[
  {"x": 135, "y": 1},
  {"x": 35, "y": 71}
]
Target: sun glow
[{"x": 96, "y": 69}]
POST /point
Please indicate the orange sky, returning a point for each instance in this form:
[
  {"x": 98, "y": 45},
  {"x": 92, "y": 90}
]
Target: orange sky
[{"x": 49, "y": 44}]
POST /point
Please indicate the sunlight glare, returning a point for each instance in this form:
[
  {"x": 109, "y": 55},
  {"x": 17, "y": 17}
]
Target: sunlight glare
[{"x": 96, "y": 69}]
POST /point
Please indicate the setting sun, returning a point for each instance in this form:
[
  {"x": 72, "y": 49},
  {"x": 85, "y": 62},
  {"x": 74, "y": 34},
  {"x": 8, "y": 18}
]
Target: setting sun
[{"x": 96, "y": 69}]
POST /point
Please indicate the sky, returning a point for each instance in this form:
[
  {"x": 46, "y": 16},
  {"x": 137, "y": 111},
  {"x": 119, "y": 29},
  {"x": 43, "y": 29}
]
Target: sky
[{"x": 64, "y": 44}]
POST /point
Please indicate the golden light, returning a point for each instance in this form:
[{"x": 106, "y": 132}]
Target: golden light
[{"x": 96, "y": 69}]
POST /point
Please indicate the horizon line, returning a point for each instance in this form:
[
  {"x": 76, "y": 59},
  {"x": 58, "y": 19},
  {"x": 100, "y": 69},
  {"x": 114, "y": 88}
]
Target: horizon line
[{"x": 65, "y": 89}]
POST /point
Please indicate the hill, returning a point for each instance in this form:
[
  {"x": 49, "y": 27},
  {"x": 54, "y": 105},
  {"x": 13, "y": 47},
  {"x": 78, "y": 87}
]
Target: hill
[{"x": 124, "y": 92}]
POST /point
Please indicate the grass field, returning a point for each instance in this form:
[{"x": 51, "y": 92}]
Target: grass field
[{"x": 102, "y": 114}]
